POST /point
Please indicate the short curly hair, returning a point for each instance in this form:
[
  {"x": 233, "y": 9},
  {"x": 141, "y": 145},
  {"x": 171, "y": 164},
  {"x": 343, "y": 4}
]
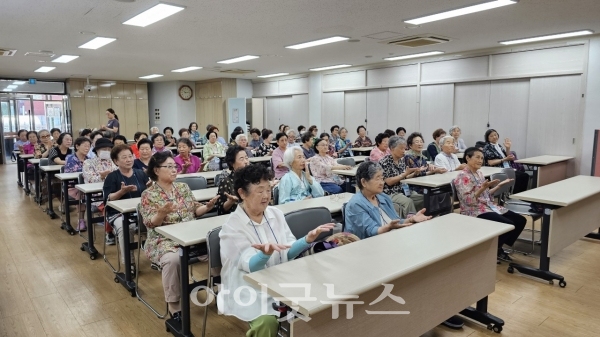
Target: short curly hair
[
  {"x": 157, "y": 160},
  {"x": 251, "y": 174},
  {"x": 412, "y": 137},
  {"x": 231, "y": 153}
]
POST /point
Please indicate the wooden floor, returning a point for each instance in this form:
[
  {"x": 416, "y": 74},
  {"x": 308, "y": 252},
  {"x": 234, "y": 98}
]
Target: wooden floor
[{"x": 51, "y": 288}]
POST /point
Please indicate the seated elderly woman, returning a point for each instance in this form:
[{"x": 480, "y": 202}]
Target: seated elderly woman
[
  {"x": 74, "y": 163},
  {"x": 254, "y": 237},
  {"x": 58, "y": 154},
  {"x": 434, "y": 147},
  {"x": 164, "y": 203},
  {"x": 475, "y": 196},
  {"x": 266, "y": 148},
  {"x": 236, "y": 159},
  {"x": 381, "y": 149},
  {"x": 185, "y": 161},
  {"x": 158, "y": 143},
  {"x": 446, "y": 158},
  {"x": 459, "y": 143},
  {"x": 321, "y": 166},
  {"x": 279, "y": 166},
  {"x": 42, "y": 149},
  {"x": 370, "y": 212},
  {"x": 308, "y": 145},
  {"x": 145, "y": 153},
  {"x": 212, "y": 152},
  {"x": 242, "y": 141},
  {"x": 126, "y": 182},
  {"x": 363, "y": 140},
  {"x": 498, "y": 156},
  {"x": 291, "y": 135},
  {"x": 331, "y": 150},
  {"x": 297, "y": 184},
  {"x": 343, "y": 145}
]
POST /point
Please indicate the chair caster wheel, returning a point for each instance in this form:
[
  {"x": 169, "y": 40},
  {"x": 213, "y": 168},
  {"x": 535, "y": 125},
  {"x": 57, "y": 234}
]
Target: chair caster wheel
[
  {"x": 81, "y": 248},
  {"x": 168, "y": 330},
  {"x": 71, "y": 232},
  {"x": 510, "y": 270},
  {"x": 92, "y": 256},
  {"x": 562, "y": 283},
  {"x": 497, "y": 329},
  {"x": 551, "y": 282},
  {"x": 116, "y": 280}
]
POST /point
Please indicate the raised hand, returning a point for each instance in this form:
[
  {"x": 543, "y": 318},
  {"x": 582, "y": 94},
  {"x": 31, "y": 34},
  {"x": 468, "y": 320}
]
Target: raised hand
[
  {"x": 488, "y": 184},
  {"x": 166, "y": 209},
  {"x": 270, "y": 248},
  {"x": 507, "y": 143},
  {"x": 211, "y": 203},
  {"x": 232, "y": 198},
  {"x": 314, "y": 234},
  {"x": 128, "y": 188},
  {"x": 420, "y": 216}
]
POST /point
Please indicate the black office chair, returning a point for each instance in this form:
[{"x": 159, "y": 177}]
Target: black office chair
[
  {"x": 213, "y": 245},
  {"x": 349, "y": 161},
  {"x": 195, "y": 183},
  {"x": 425, "y": 154},
  {"x": 276, "y": 195},
  {"x": 301, "y": 222}
]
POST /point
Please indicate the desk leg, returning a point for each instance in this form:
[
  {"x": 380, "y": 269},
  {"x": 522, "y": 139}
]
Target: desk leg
[
  {"x": 426, "y": 201},
  {"x": 481, "y": 315},
  {"x": 89, "y": 246},
  {"x": 25, "y": 181},
  {"x": 50, "y": 210},
  {"x": 348, "y": 185},
  {"x": 594, "y": 235},
  {"x": 182, "y": 329},
  {"x": 66, "y": 225},
  {"x": 534, "y": 182},
  {"x": 36, "y": 175},
  {"x": 543, "y": 272},
  {"x": 125, "y": 277},
  {"x": 19, "y": 182}
]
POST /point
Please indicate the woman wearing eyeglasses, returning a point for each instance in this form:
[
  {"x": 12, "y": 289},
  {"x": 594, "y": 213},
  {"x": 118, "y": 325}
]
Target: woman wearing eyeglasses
[
  {"x": 164, "y": 203},
  {"x": 42, "y": 149}
]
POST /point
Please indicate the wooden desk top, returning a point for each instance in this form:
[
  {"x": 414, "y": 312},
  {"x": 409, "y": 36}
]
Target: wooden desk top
[
  {"x": 459, "y": 155},
  {"x": 34, "y": 161},
  {"x": 16, "y": 152},
  {"x": 437, "y": 180},
  {"x": 562, "y": 193},
  {"x": 90, "y": 188},
  {"x": 68, "y": 176},
  {"x": 543, "y": 160},
  {"x": 51, "y": 168},
  {"x": 259, "y": 159},
  {"x": 390, "y": 256},
  {"x": 129, "y": 205}
]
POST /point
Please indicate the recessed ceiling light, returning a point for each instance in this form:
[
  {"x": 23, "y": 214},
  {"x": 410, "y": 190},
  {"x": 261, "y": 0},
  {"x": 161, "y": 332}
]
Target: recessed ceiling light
[
  {"x": 97, "y": 42},
  {"x": 403, "y": 57},
  {"x": 331, "y": 67},
  {"x": 273, "y": 75},
  {"x": 461, "y": 11},
  {"x": 549, "y": 37},
  {"x": 44, "y": 69},
  {"x": 239, "y": 59},
  {"x": 12, "y": 86},
  {"x": 19, "y": 82},
  {"x": 150, "y": 76},
  {"x": 183, "y": 70},
  {"x": 153, "y": 15},
  {"x": 318, "y": 42},
  {"x": 65, "y": 58}
]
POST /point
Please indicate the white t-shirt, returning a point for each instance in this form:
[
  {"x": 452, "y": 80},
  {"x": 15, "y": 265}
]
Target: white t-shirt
[{"x": 450, "y": 163}]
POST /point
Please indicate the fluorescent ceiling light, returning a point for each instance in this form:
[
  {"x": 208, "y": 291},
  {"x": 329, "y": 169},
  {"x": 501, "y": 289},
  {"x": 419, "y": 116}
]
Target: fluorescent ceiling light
[
  {"x": 318, "y": 42},
  {"x": 461, "y": 11},
  {"x": 153, "y": 15},
  {"x": 273, "y": 75},
  {"x": 403, "y": 57},
  {"x": 150, "y": 76},
  {"x": 239, "y": 59},
  {"x": 549, "y": 37},
  {"x": 6, "y": 89},
  {"x": 12, "y": 86},
  {"x": 19, "y": 82},
  {"x": 65, "y": 58},
  {"x": 44, "y": 69},
  {"x": 183, "y": 70},
  {"x": 331, "y": 67},
  {"x": 97, "y": 43}
]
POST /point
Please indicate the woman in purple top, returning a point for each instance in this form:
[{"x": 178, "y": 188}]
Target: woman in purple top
[
  {"x": 185, "y": 161},
  {"x": 74, "y": 163},
  {"x": 113, "y": 122},
  {"x": 279, "y": 167}
]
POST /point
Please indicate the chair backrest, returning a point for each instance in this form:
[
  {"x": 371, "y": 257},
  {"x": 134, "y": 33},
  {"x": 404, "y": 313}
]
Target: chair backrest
[
  {"x": 347, "y": 161},
  {"x": 301, "y": 222},
  {"x": 454, "y": 194},
  {"x": 44, "y": 162},
  {"x": 195, "y": 183},
  {"x": 80, "y": 179},
  {"x": 367, "y": 159},
  {"x": 62, "y": 169},
  {"x": 140, "y": 221},
  {"x": 425, "y": 154},
  {"x": 502, "y": 189},
  {"x": 213, "y": 245},
  {"x": 218, "y": 178},
  {"x": 276, "y": 195},
  {"x": 510, "y": 174},
  {"x": 344, "y": 216}
]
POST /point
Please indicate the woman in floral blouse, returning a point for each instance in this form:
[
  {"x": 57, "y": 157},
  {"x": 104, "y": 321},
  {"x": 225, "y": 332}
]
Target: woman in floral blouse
[
  {"x": 475, "y": 196},
  {"x": 42, "y": 149},
  {"x": 167, "y": 202},
  {"x": 363, "y": 140},
  {"x": 211, "y": 152},
  {"x": 236, "y": 159},
  {"x": 343, "y": 146},
  {"x": 321, "y": 166},
  {"x": 382, "y": 149},
  {"x": 75, "y": 164},
  {"x": 266, "y": 148}
]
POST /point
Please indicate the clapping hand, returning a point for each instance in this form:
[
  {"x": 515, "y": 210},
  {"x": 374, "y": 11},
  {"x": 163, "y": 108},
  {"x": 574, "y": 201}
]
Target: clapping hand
[
  {"x": 488, "y": 183},
  {"x": 232, "y": 198},
  {"x": 211, "y": 203},
  {"x": 314, "y": 234},
  {"x": 270, "y": 248},
  {"x": 420, "y": 216},
  {"x": 128, "y": 188},
  {"x": 505, "y": 181},
  {"x": 166, "y": 209},
  {"x": 510, "y": 157},
  {"x": 149, "y": 183}
]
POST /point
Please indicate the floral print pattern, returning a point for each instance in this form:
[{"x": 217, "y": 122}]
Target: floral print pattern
[{"x": 467, "y": 183}]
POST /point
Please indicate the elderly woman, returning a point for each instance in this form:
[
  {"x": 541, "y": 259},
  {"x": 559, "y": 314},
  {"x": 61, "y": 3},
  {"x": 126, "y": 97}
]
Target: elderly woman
[
  {"x": 363, "y": 140},
  {"x": 291, "y": 136},
  {"x": 242, "y": 141},
  {"x": 158, "y": 143},
  {"x": 153, "y": 131},
  {"x": 134, "y": 147},
  {"x": 343, "y": 145},
  {"x": 394, "y": 171},
  {"x": 459, "y": 143},
  {"x": 236, "y": 159},
  {"x": 169, "y": 139},
  {"x": 254, "y": 237},
  {"x": 212, "y": 152},
  {"x": 279, "y": 166},
  {"x": 321, "y": 166},
  {"x": 215, "y": 129},
  {"x": 185, "y": 161},
  {"x": 119, "y": 140},
  {"x": 42, "y": 149},
  {"x": 59, "y": 153},
  {"x": 28, "y": 147},
  {"x": 335, "y": 134},
  {"x": 497, "y": 155},
  {"x": 447, "y": 159},
  {"x": 256, "y": 141},
  {"x": 297, "y": 184},
  {"x": 475, "y": 196},
  {"x": 94, "y": 136},
  {"x": 194, "y": 134},
  {"x": 370, "y": 212},
  {"x": 308, "y": 145},
  {"x": 266, "y": 148},
  {"x": 167, "y": 202},
  {"x": 434, "y": 147},
  {"x": 124, "y": 183},
  {"x": 381, "y": 149},
  {"x": 74, "y": 163},
  {"x": 331, "y": 151},
  {"x": 145, "y": 150}
]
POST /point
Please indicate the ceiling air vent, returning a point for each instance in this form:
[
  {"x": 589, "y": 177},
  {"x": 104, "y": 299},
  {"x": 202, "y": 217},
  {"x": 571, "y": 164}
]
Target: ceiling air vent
[
  {"x": 237, "y": 71},
  {"x": 42, "y": 54},
  {"x": 7, "y": 52},
  {"x": 418, "y": 41}
]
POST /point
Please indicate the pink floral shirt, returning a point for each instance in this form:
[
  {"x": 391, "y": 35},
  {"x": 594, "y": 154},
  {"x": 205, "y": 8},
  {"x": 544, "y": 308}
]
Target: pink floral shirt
[
  {"x": 467, "y": 183},
  {"x": 377, "y": 154}
]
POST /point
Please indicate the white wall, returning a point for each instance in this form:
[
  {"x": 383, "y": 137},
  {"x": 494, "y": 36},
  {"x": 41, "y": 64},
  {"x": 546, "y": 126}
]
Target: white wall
[
  {"x": 175, "y": 112},
  {"x": 314, "y": 99},
  {"x": 591, "y": 115},
  {"x": 243, "y": 88}
]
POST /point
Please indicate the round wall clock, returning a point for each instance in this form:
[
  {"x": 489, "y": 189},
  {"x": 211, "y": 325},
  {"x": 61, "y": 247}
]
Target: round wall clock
[{"x": 185, "y": 92}]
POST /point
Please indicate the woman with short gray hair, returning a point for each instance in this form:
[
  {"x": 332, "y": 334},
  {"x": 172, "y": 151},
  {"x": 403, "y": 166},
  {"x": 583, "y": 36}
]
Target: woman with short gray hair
[
  {"x": 291, "y": 135},
  {"x": 459, "y": 143},
  {"x": 370, "y": 212},
  {"x": 297, "y": 185},
  {"x": 242, "y": 141},
  {"x": 446, "y": 158}
]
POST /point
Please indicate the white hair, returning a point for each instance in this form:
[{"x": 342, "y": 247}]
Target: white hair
[
  {"x": 239, "y": 137},
  {"x": 454, "y": 128},
  {"x": 289, "y": 156},
  {"x": 445, "y": 138},
  {"x": 154, "y": 128},
  {"x": 290, "y": 131}
]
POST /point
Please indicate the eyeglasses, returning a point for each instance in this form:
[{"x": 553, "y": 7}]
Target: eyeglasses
[
  {"x": 169, "y": 167},
  {"x": 45, "y": 136}
]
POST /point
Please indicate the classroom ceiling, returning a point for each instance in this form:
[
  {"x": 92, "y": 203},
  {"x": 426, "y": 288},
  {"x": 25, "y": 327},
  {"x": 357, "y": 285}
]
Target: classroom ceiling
[{"x": 208, "y": 31}]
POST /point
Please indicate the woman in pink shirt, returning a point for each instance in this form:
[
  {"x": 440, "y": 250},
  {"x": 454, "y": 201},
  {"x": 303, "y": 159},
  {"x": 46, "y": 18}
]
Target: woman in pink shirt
[
  {"x": 382, "y": 149},
  {"x": 185, "y": 161},
  {"x": 278, "y": 166}
]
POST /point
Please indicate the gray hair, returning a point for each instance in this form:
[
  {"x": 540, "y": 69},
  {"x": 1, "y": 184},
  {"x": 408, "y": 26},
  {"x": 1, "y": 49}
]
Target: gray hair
[
  {"x": 43, "y": 130},
  {"x": 445, "y": 138},
  {"x": 396, "y": 141},
  {"x": 289, "y": 156},
  {"x": 454, "y": 128},
  {"x": 239, "y": 137},
  {"x": 154, "y": 128},
  {"x": 289, "y": 132},
  {"x": 367, "y": 170}
]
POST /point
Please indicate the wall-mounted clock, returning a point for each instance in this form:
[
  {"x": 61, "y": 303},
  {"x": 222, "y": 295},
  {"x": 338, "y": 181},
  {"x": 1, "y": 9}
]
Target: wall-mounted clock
[{"x": 185, "y": 92}]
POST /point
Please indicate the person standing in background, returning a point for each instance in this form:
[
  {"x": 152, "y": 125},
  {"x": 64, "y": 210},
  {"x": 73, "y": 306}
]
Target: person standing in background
[{"x": 113, "y": 122}]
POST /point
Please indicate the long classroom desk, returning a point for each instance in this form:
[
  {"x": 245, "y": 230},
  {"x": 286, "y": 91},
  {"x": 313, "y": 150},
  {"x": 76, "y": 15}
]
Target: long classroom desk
[
  {"x": 88, "y": 190},
  {"x": 440, "y": 183},
  {"x": 36, "y": 179},
  {"x": 437, "y": 268},
  {"x": 571, "y": 212},
  {"x": 50, "y": 172},
  {"x": 65, "y": 178},
  {"x": 191, "y": 233},
  {"x": 22, "y": 159},
  {"x": 362, "y": 150},
  {"x": 546, "y": 169}
]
